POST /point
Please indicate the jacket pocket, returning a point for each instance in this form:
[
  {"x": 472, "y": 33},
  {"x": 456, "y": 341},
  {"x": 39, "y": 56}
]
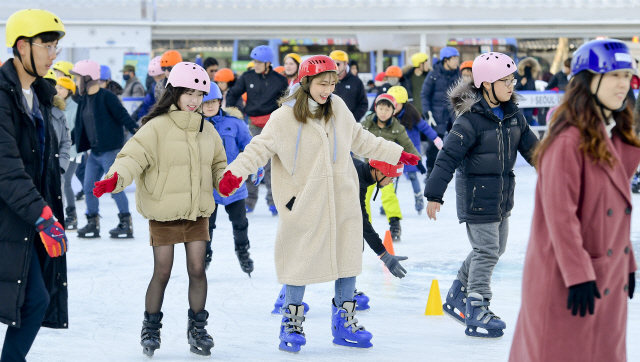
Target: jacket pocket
[
  {"x": 483, "y": 195},
  {"x": 158, "y": 190}
]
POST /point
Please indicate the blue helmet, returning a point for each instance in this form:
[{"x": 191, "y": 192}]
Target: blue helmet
[
  {"x": 214, "y": 93},
  {"x": 105, "y": 72},
  {"x": 262, "y": 53},
  {"x": 448, "y": 52},
  {"x": 602, "y": 56}
]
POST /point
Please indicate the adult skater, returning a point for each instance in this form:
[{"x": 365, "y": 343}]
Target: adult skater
[
  {"x": 481, "y": 149},
  {"x": 315, "y": 186},
  {"x": 176, "y": 158},
  {"x": 580, "y": 258},
  {"x": 33, "y": 268}
]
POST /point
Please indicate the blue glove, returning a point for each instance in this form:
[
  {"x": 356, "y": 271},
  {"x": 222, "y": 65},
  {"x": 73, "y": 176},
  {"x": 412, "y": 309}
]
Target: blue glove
[
  {"x": 421, "y": 168},
  {"x": 258, "y": 176}
]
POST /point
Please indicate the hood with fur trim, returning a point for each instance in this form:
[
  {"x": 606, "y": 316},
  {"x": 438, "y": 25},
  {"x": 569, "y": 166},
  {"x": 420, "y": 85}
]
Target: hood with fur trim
[
  {"x": 59, "y": 102},
  {"x": 529, "y": 62},
  {"x": 463, "y": 96},
  {"x": 233, "y": 112}
]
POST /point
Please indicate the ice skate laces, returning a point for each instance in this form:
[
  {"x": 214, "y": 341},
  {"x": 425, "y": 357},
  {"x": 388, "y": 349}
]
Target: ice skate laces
[
  {"x": 198, "y": 331},
  {"x": 350, "y": 320},
  {"x": 293, "y": 324},
  {"x": 486, "y": 314}
]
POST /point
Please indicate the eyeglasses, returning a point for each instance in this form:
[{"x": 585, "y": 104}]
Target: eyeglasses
[
  {"x": 51, "y": 49},
  {"x": 508, "y": 82}
]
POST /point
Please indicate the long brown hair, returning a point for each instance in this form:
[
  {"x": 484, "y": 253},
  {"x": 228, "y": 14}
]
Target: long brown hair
[
  {"x": 579, "y": 110},
  {"x": 301, "y": 109},
  {"x": 411, "y": 116},
  {"x": 170, "y": 97}
]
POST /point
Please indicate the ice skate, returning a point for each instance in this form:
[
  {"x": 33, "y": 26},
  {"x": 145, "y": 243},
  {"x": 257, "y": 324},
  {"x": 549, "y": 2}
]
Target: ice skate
[
  {"x": 345, "y": 330},
  {"x": 291, "y": 335},
  {"x": 241, "y": 241},
  {"x": 280, "y": 302},
  {"x": 71, "y": 221},
  {"x": 362, "y": 301},
  {"x": 635, "y": 183},
  {"x": 92, "y": 228},
  {"x": 478, "y": 315},
  {"x": 124, "y": 230},
  {"x": 274, "y": 211},
  {"x": 199, "y": 340},
  {"x": 394, "y": 227},
  {"x": 456, "y": 303},
  {"x": 419, "y": 202},
  {"x": 150, "y": 334}
]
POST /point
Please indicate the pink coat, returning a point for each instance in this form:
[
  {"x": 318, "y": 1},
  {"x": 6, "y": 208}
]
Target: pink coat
[{"x": 580, "y": 232}]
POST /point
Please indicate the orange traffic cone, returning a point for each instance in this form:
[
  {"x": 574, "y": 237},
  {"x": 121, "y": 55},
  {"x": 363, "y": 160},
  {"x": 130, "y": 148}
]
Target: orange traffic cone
[
  {"x": 434, "y": 303},
  {"x": 388, "y": 243}
]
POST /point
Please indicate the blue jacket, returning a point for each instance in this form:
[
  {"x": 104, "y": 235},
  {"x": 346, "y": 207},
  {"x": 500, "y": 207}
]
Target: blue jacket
[
  {"x": 414, "y": 135},
  {"x": 235, "y": 137},
  {"x": 434, "y": 95},
  {"x": 147, "y": 103}
]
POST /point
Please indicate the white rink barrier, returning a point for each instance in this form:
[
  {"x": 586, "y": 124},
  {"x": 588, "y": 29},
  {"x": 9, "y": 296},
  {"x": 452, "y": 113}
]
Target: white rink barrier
[{"x": 132, "y": 103}]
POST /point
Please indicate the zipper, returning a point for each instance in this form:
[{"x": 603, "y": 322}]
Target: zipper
[
  {"x": 509, "y": 140},
  {"x": 473, "y": 196},
  {"x": 457, "y": 134},
  {"x": 500, "y": 149}
]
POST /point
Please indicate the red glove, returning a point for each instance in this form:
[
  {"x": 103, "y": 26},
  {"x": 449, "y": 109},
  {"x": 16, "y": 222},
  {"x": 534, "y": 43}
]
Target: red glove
[
  {"x": 409, "y": 158},
  {"x": 51, "y": 233},
  {"x": 229, "y": 183},
  {"x": 105, "y": 186}
]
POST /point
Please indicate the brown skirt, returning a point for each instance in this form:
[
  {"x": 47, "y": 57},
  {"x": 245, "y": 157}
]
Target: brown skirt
[{"x": 178, "y": 231}]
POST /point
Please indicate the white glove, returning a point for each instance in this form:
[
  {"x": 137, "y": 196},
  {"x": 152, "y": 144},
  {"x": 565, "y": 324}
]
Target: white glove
[{"x": 432, "y": 122}]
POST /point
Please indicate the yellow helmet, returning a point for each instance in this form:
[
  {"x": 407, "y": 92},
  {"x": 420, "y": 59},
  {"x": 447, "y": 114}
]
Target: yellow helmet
[
  {"x": 65, "y": 67},
  {"x": 31, "y": 22},
  {"x": 339, "y": 55},
  {"x": 419, "y": 58},
  {"x": 251, "y": 64},
  {"x": 294, "y": 56},
  {"x": 67, "y": 83},
  {"x": 399, "y": 93},
  {"x": 50, "y": 75}
]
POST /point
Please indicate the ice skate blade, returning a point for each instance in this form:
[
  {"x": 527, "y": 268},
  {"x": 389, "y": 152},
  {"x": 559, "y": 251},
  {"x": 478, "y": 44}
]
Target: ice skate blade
[
  {"x": 148, "y": 352},
  {"x": 85, "y": 236},
  {"x": 451, "y": 312},
  {"x": 128, "y": 236},
  {"x": 472, "y": 331},
  {"x": 199, "y": 353},
  {"x": 340, "y": 342},
  {"x": 289, "y": 347}
]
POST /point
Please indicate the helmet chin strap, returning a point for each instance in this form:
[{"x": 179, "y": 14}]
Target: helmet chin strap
[
  {"x": 493, "y": 90},
  {"x": 33, "y": 63},
  {"x": 602, "y": 106},
  {"x": 378, "y": 185}
]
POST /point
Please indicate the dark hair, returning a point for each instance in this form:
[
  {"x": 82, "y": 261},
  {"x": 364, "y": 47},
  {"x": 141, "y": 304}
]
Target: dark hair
[
  {"x": 567, "y": 63},
  {"x": 579, "y": 110},
  {"x": 46, "y": 37},
  {"x": 385, "y": 102},
  {"x": 170, "y": 97},
  {"x": 353, "y": 63},
  {"x": 370, "y": 82},
  {"x": 209, "y": 62},
  {"x": 301, "y": 95},
  {"x": 411, "y": 116}
]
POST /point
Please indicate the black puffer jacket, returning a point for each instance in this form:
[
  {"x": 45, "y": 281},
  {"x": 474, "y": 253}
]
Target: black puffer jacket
[
  {"x": 263, "y": 92},
  {"x": 351, "y": 90},
  {"x": 483, "y": 149},
  {"x": 435, "y": 97},
  {"x": 368, "y": 232},
  {"x": 24, "y": 192}
]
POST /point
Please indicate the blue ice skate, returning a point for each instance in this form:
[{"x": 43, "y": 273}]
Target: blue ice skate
[
  {"x": 291, "y": 334},
  {"x": 273, "y": 210},
  {"x": 478, "y": 315},
  {"x": 280, "y": 302},
  {"x": 345, "y": 330},
  {"x": 456, "y": 302},
  {"x": 362, "y": 301}
]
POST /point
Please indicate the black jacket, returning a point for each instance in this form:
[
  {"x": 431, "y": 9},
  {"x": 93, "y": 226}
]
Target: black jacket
[
  {"x": 370, "y": 235},
  {"x": 351, "y": 90},
  {"x": 435, "y": 96},
  {"x": 24, "y": 192},
  {"x": 483, "y": 149},
  {"x": 109, "y": 118},
  {"x": 263, "y": 92},
  {"x": 559, "y": 80}
]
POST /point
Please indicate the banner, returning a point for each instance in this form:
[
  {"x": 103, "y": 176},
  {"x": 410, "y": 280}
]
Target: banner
[{"x": 141, "y": 62}]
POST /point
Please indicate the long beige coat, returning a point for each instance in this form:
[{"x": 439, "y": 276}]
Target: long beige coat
[
  {"x": 319, "y": 236},
  {"x": 159, "y": 157}
]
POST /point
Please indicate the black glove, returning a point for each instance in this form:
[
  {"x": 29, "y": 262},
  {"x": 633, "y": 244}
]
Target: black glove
[
  {"x": 421, "y": 167},
  {"x": 393, "y": 264},
  {"x": 632, "y": 284},
  {"x": 582, "y": 296}
]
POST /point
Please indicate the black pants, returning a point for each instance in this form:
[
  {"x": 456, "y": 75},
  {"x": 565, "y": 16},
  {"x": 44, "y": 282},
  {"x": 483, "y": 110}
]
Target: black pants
[
  {"x": 18, "y": 341},
  {"x": 238, "y": 217},
  {"x": 432, "y": 154}
]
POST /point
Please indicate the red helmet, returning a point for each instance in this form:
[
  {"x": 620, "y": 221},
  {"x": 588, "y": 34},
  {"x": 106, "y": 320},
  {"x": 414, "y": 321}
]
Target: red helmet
[
  {"x": 315, "y": 65},
  {"x": 387, "y": 169},
  {"x": 389, "y": 98},
  {"x": 380, "y": 77}
]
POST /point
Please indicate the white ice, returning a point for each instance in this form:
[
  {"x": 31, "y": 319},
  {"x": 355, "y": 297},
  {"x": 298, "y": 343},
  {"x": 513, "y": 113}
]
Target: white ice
[{"x": 108, "y": 279}]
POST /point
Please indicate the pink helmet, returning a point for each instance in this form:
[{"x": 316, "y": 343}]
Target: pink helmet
[
  {"x": 87, "y": 68},
  {"x": 154, "y": 67},
  {"x": 489, "y": 67},
  {"x": 189, "y": 75}
]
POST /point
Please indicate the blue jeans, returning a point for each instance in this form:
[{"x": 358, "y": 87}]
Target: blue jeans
[
  {"x": 415, "y": 183},
  {"x": 18, "y": 341},
  {"x": 345, "y": 288},
  {"x": 97, "y": 164}
]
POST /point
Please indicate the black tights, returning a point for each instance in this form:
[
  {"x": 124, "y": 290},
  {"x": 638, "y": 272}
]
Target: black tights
[{"x": 162, "y": 264}]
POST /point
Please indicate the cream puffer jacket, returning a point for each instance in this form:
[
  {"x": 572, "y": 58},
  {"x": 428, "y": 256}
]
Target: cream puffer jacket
[{"x": 176, "y": 160}]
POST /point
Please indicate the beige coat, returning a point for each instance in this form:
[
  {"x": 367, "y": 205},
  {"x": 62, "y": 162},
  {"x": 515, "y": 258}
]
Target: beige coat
[
  {"x": 319, "y": 236},
  {"x": 159, "y": 158}
]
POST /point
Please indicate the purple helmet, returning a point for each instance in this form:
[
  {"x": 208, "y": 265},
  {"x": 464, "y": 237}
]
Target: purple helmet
[{"x": 602, "y": 56}]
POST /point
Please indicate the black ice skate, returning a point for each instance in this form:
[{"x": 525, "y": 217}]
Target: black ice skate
[
  {"x": 92, "y": 229},
  {"x": 150, "y": 334},
  {"x": 241, "y": 240},
  {"x": 200, "y": 341},
  {"x": 124, "y": 230},
  {"x": 394, "y": 227},
  {"x": 71, "y": 221}
]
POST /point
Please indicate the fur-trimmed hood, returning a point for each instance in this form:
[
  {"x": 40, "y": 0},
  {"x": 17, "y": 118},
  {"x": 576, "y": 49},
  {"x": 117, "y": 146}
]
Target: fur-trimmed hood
[
  {"x": 59, "y": 102},
  {"x": 463, "y": 96},
  {"x": 233, "y": 112},
  {"x": 529, "y": 62}
]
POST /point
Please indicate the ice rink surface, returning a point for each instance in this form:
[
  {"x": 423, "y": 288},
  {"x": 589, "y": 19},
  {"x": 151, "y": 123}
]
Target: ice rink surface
[{"x": 108, "y": 279}]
